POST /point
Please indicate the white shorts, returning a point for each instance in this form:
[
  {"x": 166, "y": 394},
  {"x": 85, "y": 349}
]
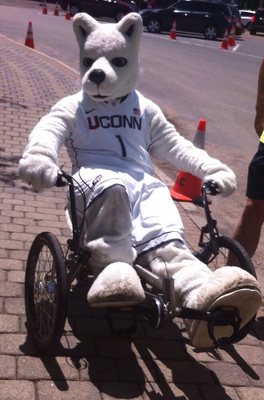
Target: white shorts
[{"x": 155, "y": 218}]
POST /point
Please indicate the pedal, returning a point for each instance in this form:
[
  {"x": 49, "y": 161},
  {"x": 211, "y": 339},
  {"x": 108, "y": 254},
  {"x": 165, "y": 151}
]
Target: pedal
[{"x": 223, "y": 316}]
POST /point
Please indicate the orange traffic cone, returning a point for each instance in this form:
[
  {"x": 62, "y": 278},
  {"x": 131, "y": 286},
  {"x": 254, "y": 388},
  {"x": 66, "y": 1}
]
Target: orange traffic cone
[
  {"x": 224, "y": 44},
  {"x": 199, "y": 137},
  {"x": 56, "y": 10},
  {"x": 45, "y": 8},
  {"x": 188, "y": 187},
  {"x": 68, "y": 14},
  {"x": 232, "y": 34},
  {"x": 173, "y": 30},
  {"x": 29, "y": 38}
]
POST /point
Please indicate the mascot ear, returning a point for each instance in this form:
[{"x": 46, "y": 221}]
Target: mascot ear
[
  {"x": 83, "y": 25},
  {"x": 130, "y": 25}
]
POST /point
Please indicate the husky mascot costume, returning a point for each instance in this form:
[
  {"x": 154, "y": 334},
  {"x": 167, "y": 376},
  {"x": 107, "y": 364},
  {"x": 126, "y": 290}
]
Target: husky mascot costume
[{"x": 111, "y": 132}]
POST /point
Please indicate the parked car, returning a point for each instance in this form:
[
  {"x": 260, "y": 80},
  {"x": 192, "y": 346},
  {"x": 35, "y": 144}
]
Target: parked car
[
  {"x": 114, "y": 9},
  {"x": 236, "y": 19},
  {"x": 159, "y": 3},
  {"x": 246, "y": 16},
  {"x": 257, "y": 22},
  {"x": 207, "y": 18}
]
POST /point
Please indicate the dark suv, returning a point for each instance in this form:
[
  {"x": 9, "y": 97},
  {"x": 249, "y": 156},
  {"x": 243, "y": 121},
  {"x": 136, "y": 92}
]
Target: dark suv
[
  {"x": 257, "y": 22},
  {"x": 207, "y": 18},
  {"x": 114, "y": 9},
  {"x": 159, "y": 3}
]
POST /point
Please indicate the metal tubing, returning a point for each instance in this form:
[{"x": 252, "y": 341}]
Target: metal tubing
[{"x": 149, "y": 277}]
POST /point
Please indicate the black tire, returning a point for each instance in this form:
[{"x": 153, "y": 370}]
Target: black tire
[
  {"x": 211, "y": 32},
  {"x": 46, "y": 292},
  {"x": 153, "y": 25},
  {"x": 228, "y": 245}
]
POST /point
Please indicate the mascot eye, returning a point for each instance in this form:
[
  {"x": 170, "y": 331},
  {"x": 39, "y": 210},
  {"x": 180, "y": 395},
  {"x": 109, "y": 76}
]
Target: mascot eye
[
  {"x": 119, "y": 61},
  {"x": 88, "y": 62}
]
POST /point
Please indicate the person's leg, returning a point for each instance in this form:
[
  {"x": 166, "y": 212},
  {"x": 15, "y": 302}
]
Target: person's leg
[{"x": 249, "y": 227}]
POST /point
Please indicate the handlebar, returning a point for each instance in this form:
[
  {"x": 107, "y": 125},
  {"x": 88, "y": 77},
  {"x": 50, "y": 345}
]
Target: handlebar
[
  {"x": 210, "y": 187},
  {"x": 63, "y": 179}
]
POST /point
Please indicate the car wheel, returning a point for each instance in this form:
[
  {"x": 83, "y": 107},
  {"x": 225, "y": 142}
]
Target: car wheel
[
  {"x": 153, "y": 26},
  {"x": 210, "y": 32},
  {"x": 119, "y": 15},
  {"x": 74, "y": 10}
]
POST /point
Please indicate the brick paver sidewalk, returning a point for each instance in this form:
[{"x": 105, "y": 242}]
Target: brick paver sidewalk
[{"x": 92, "y": 363}]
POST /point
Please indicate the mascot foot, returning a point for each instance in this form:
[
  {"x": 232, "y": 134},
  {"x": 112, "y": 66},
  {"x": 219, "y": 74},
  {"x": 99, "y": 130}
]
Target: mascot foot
[
  {"x": 228, "y": 287},
  {"x": 117, "y": 285}
]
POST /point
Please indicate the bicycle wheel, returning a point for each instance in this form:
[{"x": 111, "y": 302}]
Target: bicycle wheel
[
  {"x": 226, "y": 247},
  {"x": 229, "y": 247},
  {"x": 45, "y": 291}
]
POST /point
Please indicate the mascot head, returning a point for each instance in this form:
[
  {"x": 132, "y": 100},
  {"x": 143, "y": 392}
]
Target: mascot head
[{"x": 109, "y": 55}]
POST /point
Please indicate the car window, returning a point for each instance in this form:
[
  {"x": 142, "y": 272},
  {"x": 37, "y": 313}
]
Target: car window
[
  {"x": 234, "y": 11},
  {"x": 182, "y": 6},
  {"x": 246, "y": 14},
  {"x": 220, "y": 8},
  {"x": 260, "y": 13},
  {"x": 199, "y": 7}
]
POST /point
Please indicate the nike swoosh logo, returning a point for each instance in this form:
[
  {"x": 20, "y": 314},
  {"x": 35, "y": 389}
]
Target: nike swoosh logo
[{"x": 88, "y": 112}]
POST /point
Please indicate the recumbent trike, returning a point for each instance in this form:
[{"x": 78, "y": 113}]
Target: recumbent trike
[{"x": 51, "y": 275}]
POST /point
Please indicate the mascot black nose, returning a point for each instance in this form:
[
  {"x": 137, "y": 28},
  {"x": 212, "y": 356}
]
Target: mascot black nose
[{"x": 97, "y": 76}]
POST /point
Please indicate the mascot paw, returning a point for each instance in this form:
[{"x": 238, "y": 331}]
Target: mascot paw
[
  {"x": 230, "y": 288},
  {"x": 38, "y": 171},
  {"x": 117, "y": 285},
  {"x": 225, "y": 179}
]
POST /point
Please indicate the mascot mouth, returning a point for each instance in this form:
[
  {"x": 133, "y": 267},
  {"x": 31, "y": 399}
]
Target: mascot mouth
[{"x": 98, "y": 96}]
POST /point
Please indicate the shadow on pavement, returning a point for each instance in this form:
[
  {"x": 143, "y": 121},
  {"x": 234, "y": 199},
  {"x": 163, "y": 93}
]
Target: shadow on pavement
[{"x": 153, "y": 362}]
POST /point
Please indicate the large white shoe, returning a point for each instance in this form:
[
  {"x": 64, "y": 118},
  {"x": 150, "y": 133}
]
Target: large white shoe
[
  {"x": 117, "y": 285},
  {"x": 229, "y": 287}
]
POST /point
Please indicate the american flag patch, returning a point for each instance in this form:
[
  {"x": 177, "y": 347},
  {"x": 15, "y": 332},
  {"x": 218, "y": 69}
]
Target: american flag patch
[{"x": 136, "y": 111}]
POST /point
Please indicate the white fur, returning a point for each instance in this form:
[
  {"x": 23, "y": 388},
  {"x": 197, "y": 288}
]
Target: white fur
[
  {"x": 103, "y": 43},
  {"x": 225, "y": 179},
  {"x": 196, "y": 286},
  {"x": 117, "y": 285},
  {"x": 227, "y": 287},
  {"x": 38, "y": 171},
  {"x": 101, "y": 253}
]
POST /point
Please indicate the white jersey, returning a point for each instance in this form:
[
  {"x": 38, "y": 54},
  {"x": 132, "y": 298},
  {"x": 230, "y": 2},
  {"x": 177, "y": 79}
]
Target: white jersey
[
  {"x": 111, "y": 136},
  {"x": 121, "y": 138}
]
